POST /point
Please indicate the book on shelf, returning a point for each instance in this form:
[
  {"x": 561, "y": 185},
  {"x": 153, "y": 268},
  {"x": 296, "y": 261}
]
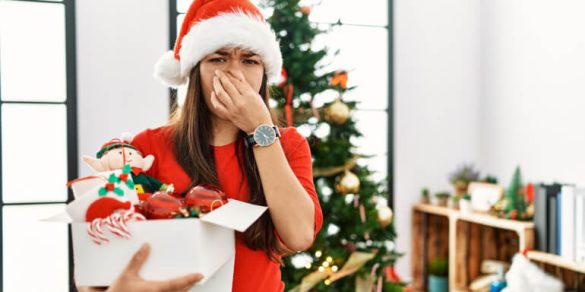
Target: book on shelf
[
  {"x": 580, "y": 225},
  {"x": 566, "y": 221},
  {"x": 559, "y": 220}
]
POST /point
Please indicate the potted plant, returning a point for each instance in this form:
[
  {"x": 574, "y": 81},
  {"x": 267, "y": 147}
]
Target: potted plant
[
  {"x": 465, "y": 204},
  {"x": 442, "y": 199},
  {"x": 438, "y": 271},
  {"x": 425, "y": 196},
  {"x": 461, "y": 178},
  {"x": 454, "y": 203}
]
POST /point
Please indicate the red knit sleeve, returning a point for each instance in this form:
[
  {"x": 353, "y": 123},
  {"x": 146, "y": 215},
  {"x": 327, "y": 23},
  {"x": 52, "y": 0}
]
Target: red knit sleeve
[
  {"x": 143, "y": 142},
  {"x": 297, "y": 151}
]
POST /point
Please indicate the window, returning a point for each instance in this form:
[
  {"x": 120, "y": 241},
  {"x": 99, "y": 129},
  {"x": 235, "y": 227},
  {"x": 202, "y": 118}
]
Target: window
[
  {"x": 38, "y": 147},
  {"x": 365, "y": 42}
]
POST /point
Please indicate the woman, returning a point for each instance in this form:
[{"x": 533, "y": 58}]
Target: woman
[{"x": 225, "y": 135}]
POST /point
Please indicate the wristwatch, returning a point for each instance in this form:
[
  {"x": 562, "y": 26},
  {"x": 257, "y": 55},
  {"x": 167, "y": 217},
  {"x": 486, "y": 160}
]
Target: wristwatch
[{"x": 264, "y": 135}]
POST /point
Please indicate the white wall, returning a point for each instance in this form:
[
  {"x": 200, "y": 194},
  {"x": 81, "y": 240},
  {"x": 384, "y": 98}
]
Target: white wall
[
  {"x": 495, "y": 82},
  {"x": 118, "y": 42},
  {"x": 437, "y": 87},
  {"x": 533, "y": 89}
]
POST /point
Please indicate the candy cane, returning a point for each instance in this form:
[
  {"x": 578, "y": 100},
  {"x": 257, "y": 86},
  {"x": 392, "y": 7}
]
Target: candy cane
[
  {"x": 121, "y": 223},
  {"x": 113, "y": 224},
  {"x": 116, "y": 223},
  {"x": 92, "y": 235},
  {"x": 131, "y": 215},
  {"x": 95, "y": 232}
]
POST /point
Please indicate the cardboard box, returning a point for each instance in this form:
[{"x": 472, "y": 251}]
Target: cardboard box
[{"x": 178, "y": 247}]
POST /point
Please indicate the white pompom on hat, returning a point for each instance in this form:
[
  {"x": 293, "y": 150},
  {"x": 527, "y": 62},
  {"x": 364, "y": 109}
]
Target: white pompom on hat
[{"x": 210, "y": 25}]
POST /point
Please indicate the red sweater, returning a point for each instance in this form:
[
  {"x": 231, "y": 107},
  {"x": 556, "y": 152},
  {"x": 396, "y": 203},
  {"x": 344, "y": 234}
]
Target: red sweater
[{"x": 253, "y": 271}]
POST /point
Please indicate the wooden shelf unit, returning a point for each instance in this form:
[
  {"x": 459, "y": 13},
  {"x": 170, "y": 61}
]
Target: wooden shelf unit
[
  {"x": 465, "y": 239},
  {"x": 571, "y": 272}
]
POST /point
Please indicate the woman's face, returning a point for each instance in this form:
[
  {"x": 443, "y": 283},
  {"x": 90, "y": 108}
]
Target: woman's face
[{"x": 239, "y": 62}]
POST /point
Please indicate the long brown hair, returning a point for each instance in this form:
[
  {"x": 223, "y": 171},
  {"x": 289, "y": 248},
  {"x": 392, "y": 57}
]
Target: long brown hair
[{"x": 192, "y": 131}]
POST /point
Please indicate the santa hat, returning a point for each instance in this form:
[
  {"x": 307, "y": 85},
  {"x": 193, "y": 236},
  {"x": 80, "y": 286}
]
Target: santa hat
[
  {"x": 210, "y": 25},
  {"x": 116, "y": 143}
]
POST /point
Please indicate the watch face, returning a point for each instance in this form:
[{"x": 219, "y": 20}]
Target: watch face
[{"x": 264, "y": 135}]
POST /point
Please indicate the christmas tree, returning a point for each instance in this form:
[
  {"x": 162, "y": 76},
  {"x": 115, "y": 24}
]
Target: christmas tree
[{"x": 355, "y": 249}]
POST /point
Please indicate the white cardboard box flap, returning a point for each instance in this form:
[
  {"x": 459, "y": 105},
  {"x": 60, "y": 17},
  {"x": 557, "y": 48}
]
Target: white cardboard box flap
[
  {"x": 235, "y": 215},
  {"x": 177, "y": 248}
]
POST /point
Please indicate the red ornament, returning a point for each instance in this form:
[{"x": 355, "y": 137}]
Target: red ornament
[
  {"x": 205, "y": 198},
  {"x": 306, "y": 10},
  {"x": 284, "y": 77},
  {"x": 530, "y": 193},
  {"x": 161, "y": 206},
  {"x": 391, "y": 275}
]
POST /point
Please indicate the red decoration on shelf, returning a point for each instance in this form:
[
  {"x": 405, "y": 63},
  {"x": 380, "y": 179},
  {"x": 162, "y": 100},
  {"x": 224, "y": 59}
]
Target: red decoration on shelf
[
  {"x": 205, "y": 198},
  {"x": 161, "y": 206}
]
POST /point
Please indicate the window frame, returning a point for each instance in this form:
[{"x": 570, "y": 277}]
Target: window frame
[{"x": 71, "y": 128}]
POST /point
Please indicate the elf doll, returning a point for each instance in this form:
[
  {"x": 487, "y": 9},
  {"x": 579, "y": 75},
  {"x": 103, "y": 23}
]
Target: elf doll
[{"x": 116, "y": 153}]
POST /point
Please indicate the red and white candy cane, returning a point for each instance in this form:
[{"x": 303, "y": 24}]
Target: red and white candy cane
[
  {"x": 116, "y": 223},
  {"x": 116, "y": 226},
  {"x": 95, "y": 231},
  {"x": 131, "y": 215}
]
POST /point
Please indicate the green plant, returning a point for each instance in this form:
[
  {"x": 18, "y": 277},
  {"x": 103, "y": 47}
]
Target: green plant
[
  {"x": 441, "y": 195},
  {"x": 425, "y": 193},
  {"x": 490, "y": 179},
  {"x": 465, "y": 173},
  {"x": 466, "y": 196},
  {"x": 439, "y": 267}
]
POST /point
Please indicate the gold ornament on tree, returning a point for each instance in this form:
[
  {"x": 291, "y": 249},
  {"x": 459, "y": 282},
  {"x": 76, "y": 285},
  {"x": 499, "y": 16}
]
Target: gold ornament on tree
[
  {"x": 349, "y": 183},
  {"x": 337, "y": 112},
  {"x": 385, "y": 215}
]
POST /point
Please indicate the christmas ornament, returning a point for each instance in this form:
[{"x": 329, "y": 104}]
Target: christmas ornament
[
  {"x": 283, "y": 77},
  {"x": 212, "y": 25},
  {"x": 350, "y": 247},
  {"x": 162, "y": 206},
  {"x": 306, "y": 10},
  {"x": 121, "y": 154},
  {"x": 337, "y": 112},
  {"x": 513, "y": 205},
  {"x": 205, "y": 198},
  {"x": 385, "y": 215},
  {"x": 349, "y": 183},
  {"x": 339, "y": 79}
]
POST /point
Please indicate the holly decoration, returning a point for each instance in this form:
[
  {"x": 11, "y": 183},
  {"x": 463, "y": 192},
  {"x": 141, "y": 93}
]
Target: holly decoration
[{"x": 114, "y": 180}]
